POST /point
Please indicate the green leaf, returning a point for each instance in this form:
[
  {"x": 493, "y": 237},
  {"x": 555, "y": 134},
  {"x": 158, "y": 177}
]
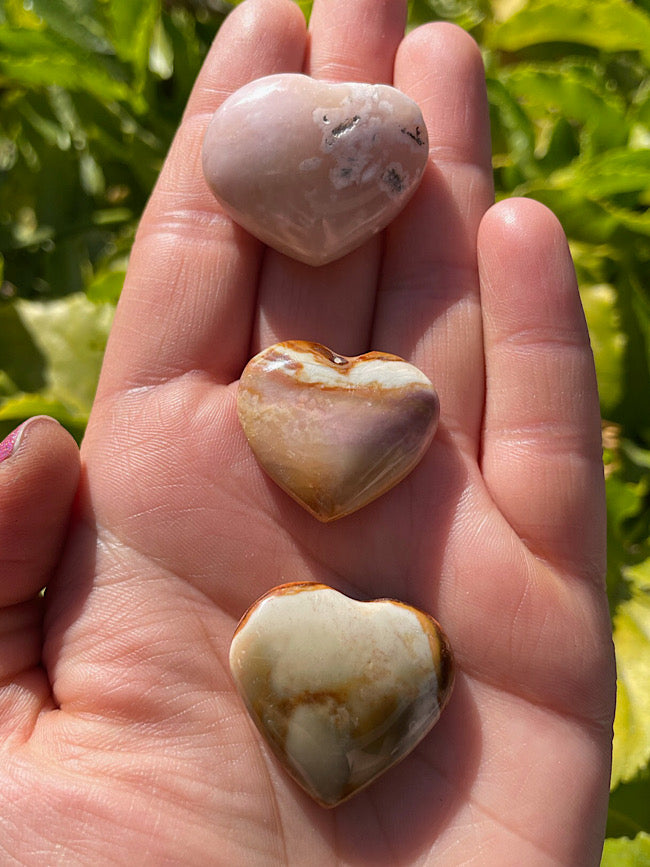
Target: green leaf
[
  {"x": 595, "y": 197},
  {"x": 579, "y": 93},
  {"x": 306, "y": 6},
  {"x": 605, "y": 25},
  {"x": 582, "y": 219},
  {"x": 466, "y": 13},
  {"x": 42, "y": 59},
  {"x": 106, "y": 286},
  {"x": 513, "y": 135},
  {"x": 15, "y": 12},
  {"x": 629, "y": 808},
  {"x": 608, "y": 343},
  {"x": 20, "y": 359},
  {"x": 131, "y": 26},
  {"x": 615, "y": 172},
  {"x": 631, "y": 751},
  {"x": 635, "y": 221},
  {"x": 625, "y": 503},
  {"x": 627, "y": 853},
  {"x": 68, "y": 338},
  {"x": 161, "y": 52},
  {"x": 73, "y": 24},
  {"x": 638, "y": 300}
]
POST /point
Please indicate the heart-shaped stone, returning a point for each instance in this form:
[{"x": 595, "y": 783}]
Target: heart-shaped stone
[
  {"x": 335, "y": 432},
  {"x": 313, "y": 168},
  {"x": 341, "y": 690}
]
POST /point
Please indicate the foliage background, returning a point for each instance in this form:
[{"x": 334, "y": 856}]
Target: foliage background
[{"x": 91, "y": 92}]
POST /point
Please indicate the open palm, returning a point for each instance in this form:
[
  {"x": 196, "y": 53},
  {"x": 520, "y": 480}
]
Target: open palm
[{"x": 123, "y": 739}]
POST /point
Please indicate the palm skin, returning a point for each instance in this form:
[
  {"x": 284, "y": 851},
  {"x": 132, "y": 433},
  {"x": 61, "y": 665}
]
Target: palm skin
[{"x": 123, "y": 739}]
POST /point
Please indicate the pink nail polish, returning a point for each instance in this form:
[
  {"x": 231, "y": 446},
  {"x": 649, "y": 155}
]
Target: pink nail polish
[
  {"x": 11, "y": 442},
  {"x": 8, "y": 444}
]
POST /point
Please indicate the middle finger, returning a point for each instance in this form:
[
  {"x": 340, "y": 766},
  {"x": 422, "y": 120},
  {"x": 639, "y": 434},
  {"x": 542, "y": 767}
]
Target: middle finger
[{"x": 333, "y": 304}]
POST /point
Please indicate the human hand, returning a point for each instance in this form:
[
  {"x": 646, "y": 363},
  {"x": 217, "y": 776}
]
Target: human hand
[{"x": 123, "y": 739}]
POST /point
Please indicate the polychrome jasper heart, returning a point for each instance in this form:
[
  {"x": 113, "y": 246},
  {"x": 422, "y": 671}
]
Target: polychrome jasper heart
[
  {"x": 335, "y": 432},
  {"x": 314, "y": 168},
  {"x": 341, "y": 690}
]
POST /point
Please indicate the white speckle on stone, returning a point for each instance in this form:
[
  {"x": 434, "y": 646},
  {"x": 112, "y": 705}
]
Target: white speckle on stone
[
  {"x": 370, "y": 173},
  {"x": 310, "y": 165}
]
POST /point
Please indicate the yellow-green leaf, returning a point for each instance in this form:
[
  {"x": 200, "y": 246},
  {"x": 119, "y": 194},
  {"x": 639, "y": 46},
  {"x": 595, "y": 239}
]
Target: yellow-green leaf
[
  {"x": 607, "y": 342},
  {"x": 67, "y": 339},
  {"x": 577, "y": 92},
  {"x": 624, "y": 852},
  {"x": 632, "y": 640}
]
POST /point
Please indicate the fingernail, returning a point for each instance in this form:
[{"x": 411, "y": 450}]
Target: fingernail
[{"x": 10, "y": 443}]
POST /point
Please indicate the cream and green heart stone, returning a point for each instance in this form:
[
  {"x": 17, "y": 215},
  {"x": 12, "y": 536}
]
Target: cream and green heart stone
[{"x": 341, "y": 690}]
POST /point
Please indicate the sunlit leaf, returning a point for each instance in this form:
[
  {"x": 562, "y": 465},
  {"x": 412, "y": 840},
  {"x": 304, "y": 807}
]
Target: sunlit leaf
[
  {"x": 466, "y": 13},
  {"x": 106, "y": 286},
  {"x": 615, "y": 172},
  {"x": 596, "y": 196},
  {"x": 40, "y": 58},
  {"x": 72, "y": 23},
  {"x": 513, "y": 135},
  {"x": 625, "y": 502},
  {"x": 605, "y": 25},
  {"x": 576, "y": 92},
  {"x": 583, "y": 219},
  {"x": 632, "y": 640},
  {"x": 636, "y": 221},
  {"x": 91, "y": 175},
  {"x": 161, "y": 52},
  {"x": 607, "y": 342},
  {"x": 627, "y": 853},
  {"x": 131, "y": 26},
  {"x": 18, "y": 14},
  {"x": 68, "y": 338}
]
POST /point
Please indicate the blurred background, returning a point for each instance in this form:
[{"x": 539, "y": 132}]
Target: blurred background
[{"x": 91, "y": 92}]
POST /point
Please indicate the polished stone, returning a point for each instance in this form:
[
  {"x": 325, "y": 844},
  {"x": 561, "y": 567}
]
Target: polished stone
[
  {"x": 314, "y": 168},
  {"x": 340, "y": 689},
  {"x": 335, "y": 432}
]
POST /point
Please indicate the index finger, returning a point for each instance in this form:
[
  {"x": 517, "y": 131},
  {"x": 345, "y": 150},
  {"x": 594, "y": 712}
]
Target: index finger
[{"x": 192, "y": 277}]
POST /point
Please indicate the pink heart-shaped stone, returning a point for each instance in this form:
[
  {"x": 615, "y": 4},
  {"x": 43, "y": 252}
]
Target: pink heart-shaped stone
[
  {"x": 312, "y": 168},
  {"x": 335, "y": 432}
]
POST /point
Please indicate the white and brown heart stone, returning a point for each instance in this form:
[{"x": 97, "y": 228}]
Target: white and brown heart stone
[
  {"x": 335, "y": 432},
  {"x": 314, "y": 168},
  {"x": 340, "y": 689}
]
